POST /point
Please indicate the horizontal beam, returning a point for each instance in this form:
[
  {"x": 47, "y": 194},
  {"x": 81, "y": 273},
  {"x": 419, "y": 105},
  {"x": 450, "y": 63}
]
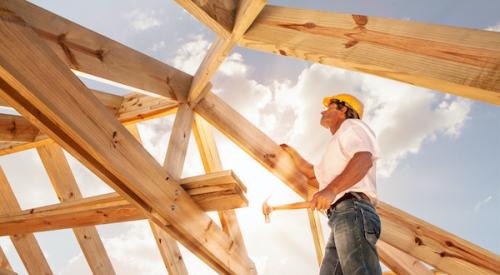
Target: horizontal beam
[
  {"x": 460, "y": 61},
  {"x": 411, "y": 235},
  {"x": 17, "y": 134},
  {"x": 213, "y": 192},
  {"x": 90, "y": 53},
  {"x": 400, "y": 262}
]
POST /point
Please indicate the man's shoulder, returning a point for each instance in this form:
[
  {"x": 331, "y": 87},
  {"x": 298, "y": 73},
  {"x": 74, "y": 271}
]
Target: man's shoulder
[{"x": 357, "y": 124}]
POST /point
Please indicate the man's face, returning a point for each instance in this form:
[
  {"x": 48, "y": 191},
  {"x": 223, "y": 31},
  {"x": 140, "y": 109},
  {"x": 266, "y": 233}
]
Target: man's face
[{"x": 331, "y": 116}]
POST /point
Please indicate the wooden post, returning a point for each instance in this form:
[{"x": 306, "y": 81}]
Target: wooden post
[
  {"x": 26, "y": 245},
  {"x": 66, "y": 188}
]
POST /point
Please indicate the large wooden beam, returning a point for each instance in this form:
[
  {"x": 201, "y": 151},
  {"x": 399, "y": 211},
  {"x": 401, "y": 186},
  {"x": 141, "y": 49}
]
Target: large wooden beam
[
  {"x": 40, "y": 87},
  {"x": 454, "y": 60},
  {"x": 26, "y": 244},
  {"x": 212, "y": 163},
  {"x": 246, "y": 13},
  {"x": 93, "y": 54},
  {"x": 213, "y": 192},
  {"x": 415, "y": 237},
  {"x": 400, "y": 262},
  {"x": 16, "y": 134},
  {"x": 67, "y": 189}
]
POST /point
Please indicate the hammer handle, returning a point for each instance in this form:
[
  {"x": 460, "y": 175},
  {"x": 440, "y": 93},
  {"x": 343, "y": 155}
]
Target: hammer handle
[{"x": 295, "y": 205}]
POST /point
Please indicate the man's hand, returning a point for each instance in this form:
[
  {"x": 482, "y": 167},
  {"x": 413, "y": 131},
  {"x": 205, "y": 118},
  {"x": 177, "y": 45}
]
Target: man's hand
[{"x": 323, "y": 199}]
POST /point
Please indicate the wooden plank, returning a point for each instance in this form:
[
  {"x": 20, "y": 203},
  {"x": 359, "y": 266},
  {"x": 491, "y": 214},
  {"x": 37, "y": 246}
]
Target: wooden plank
[
  {"x": 4, "y": 262},
  {"x": 90, "y": 53},
  {"x": 454, "y": 60},
  {"x": 4, "y": 271},
  {"x": 129, "y": 109},
  {"x": 415, "y": 237},
  {"x": 169, "y": 250},
  {"x": 66, "y": 188},
  {"x": 42, "y": 89},
  {"x": 400, "y": 262},
  {"x": 218, "y": 15},
  {"x": 246, "y": 13},
  {"x": 26, "y": 245},
  {"x": 212, "y": 162},
  {"x": 317, "y": 233}
]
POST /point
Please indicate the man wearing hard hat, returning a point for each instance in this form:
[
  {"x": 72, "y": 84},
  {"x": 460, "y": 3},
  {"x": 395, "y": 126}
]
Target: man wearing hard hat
[{"x": 345, "y": 177}]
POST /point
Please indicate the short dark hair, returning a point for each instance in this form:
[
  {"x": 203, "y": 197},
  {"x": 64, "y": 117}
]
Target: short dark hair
[{"x": 350, "y": 113}]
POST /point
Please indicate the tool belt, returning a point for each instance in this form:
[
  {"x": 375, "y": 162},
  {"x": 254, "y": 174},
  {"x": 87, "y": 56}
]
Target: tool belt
[{"x": 347, "y": 196}]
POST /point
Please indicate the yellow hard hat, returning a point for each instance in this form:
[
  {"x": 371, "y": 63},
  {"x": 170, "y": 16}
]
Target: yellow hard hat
[{"x": 350, "y": 101}]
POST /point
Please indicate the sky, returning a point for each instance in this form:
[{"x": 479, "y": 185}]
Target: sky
[{"x": 441, "y": 156}]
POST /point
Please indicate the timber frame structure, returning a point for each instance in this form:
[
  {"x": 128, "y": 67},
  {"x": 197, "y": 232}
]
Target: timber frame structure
[{"x": 40, "y": 53}]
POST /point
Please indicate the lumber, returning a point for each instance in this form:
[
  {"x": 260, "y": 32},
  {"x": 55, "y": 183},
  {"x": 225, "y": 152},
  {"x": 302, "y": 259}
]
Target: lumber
[
  {"x": 26, "y": 244},
  {"x": 4, "y": 271},
  {"x": 413, "y": 236},
  {"x": 4, "y": 262},
  {"x": 132, "y": 108},
  {"x": 212, "y": 163},
  {"x": 400, "y": 262},
  {"x": 93, "y": 55},
  {"x": 246, "y": 13},
  {"x": 64, "y": 183},
  {"x": 218, "y": 15},
  {"x": 53, "y": 99},
  {"x": 459, "y": 61},
  {"x": 317, "y": 233},
  {"x": 169, "y": 249}
]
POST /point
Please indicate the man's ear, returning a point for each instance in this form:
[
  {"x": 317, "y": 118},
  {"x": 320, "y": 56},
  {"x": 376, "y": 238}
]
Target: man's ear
[{"x": 343, "y": 109}]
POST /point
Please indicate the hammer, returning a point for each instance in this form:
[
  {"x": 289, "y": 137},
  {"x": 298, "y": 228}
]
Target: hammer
[{"x": 266, "y": 209}]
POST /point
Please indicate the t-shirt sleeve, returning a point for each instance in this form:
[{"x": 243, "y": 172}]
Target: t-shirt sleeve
[{"x": 357, "y": 139}]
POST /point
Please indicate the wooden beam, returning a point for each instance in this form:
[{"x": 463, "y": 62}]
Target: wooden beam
[
  {"x": 246, "y": 13},
  {"x": 212, "y": 163},
  {"x": 400, "y": 262},
  {"x": 218, "y": 15},
  {"x": 66, "y": 188},
  {"x": 213, "y": 192},
  {"x": 42, "y": 89},
  {"x": 90, "y": 53},
  {"x": 317, "y": 233},
  {"x": 129, "y": 109},
  {"x": 4, "y": 271},
  {"x": 26, "y": 245},
  {"x": 4, "y": 262},
  {"x": 454, "y": 60},
  {"x": 415, "y": 237},
  {"x": 169, "y": 249}
]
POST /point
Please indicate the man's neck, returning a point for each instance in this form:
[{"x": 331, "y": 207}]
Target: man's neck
[{"x": 334, "y": 128}]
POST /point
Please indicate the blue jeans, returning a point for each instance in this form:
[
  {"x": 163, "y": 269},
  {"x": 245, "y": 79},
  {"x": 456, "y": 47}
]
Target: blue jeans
[{"x": 351, "y": 247}]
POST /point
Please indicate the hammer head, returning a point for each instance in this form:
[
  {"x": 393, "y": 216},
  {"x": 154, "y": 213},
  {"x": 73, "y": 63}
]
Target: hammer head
[{"x": 266, "y": 210}]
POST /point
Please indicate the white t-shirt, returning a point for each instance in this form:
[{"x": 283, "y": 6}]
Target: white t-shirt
[{"x": 353, "y": 136}]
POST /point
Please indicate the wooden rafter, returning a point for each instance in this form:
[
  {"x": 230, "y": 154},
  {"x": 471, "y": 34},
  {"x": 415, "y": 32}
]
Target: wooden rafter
[
  {"x": 212, "y": 163},
  {"x": 67, "y": 189},
  {"x": 26, "y": 244},
  {"x": 61, "y": 106},
  {"x": 246, "y": 13},
  {"x": 400, "y": 262},
  {"x": 17, "y": 134},
  {"x": 102, "y": 58},
  {"x": 454, "y": 60},
  {"x": 212, "y": 192},
  {"x": 401, "y": 230},
  {"x": 4, "y": 262}
]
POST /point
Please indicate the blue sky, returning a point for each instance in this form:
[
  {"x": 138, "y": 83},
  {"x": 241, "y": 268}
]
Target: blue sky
[{"x": 442, "y": 156}]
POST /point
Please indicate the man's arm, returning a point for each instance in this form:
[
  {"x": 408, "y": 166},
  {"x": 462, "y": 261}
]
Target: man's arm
[{"x": 355, "y": 170}]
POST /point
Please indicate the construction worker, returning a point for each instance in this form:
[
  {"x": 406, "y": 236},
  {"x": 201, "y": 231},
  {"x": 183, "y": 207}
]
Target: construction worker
[{"x": 345, "y": 177}]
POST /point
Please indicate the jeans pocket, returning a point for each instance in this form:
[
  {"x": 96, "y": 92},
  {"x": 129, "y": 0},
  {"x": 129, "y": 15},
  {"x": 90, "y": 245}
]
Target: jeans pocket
[{"x": 371, "y": 224}]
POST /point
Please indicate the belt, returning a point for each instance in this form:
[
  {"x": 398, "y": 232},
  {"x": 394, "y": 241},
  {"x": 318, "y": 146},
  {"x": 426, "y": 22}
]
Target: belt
[{"x": 347, "y": 196}]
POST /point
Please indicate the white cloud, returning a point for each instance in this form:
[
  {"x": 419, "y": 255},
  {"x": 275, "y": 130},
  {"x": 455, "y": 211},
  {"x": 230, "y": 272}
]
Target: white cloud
[
  {"x": 143, "y": 20},
  {"x": 495, "y": 28},
  {"x": 189, "y": 57},
  {"x": 481, "y": 203}
]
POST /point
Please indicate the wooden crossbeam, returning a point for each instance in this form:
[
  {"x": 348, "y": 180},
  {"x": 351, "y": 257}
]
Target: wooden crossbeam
[
  {"x": 67, "y": 189},
  {"x": 17, "y": 134},
  {"x": 400, "y": 262},
  {"x": 212, "y": 163},
  {"x": 246, "y": 13},
  {"x": 413, "y": 236},
  {"x": 26, "y": 244},
  {"x": 92, "y": 54},
  {"x": 454, "y": 60},
  {"x": 40, "y": 87}
]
